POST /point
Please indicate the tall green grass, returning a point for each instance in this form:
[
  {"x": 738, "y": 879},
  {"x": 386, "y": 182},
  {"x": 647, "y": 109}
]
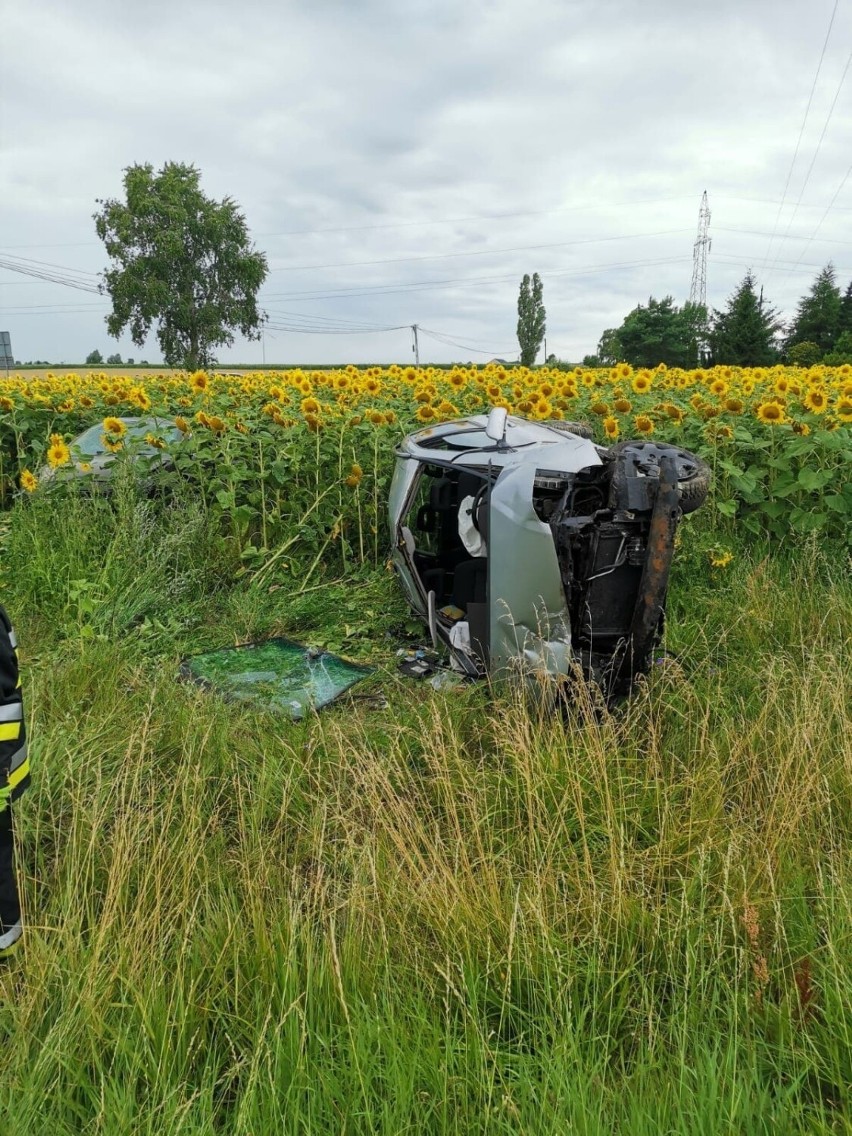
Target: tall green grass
[{"x": 456, "y": 913}]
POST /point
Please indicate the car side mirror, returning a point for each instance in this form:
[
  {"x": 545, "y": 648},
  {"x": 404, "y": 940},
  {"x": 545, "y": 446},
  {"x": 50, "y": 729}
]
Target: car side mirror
[{"x": 495, "y": 428}]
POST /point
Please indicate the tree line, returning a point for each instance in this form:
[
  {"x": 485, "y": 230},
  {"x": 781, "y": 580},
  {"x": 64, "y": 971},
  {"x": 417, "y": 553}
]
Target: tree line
[{"x": 748, "y": 332}]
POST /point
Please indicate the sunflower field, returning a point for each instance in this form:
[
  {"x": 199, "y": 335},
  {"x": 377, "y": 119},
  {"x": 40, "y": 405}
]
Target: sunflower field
[
  {"x": 272, "y": 450},
  {"x": 433, "y": 909}
]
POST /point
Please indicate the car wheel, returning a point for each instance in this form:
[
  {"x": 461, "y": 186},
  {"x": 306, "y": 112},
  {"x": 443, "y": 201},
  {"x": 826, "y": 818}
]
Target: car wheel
[{"x": 693, "y": 474}]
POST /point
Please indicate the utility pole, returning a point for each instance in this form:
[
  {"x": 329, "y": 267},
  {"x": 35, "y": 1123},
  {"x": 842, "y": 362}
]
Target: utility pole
[
  {"x": 698, "y": 289},
  {"x": 416, "y": 346}
]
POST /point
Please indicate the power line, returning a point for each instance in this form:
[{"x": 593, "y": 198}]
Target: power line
[
  {"x": 818, "y": 146},
  {"x": 52, "y": 277},
  {"x": 799, "y": 139},
  {"x": 366, "y": 291},
  {"x": 441, "y": 338},
  {"x": 480, "y": 252},
  {"x": 812, "y": 237}
]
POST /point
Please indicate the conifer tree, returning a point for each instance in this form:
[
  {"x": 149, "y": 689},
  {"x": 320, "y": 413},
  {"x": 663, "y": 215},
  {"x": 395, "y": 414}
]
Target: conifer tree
[
  {"x": 744, "y": 333},
  {"x": 817, "y": 319}
]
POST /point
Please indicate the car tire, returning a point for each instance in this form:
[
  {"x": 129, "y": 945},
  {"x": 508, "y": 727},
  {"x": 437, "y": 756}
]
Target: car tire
[
  {"x": 694, "y": 474},
  {"x": 581, "y": 429}
]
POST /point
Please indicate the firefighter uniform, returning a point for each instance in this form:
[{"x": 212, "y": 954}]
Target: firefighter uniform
[{"x": 14, "y": 778}]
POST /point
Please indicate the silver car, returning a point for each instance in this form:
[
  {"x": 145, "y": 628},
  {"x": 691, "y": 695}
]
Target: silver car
[
  {"x": 524, "y": 544},
  {"x": 94, "y": 464}
]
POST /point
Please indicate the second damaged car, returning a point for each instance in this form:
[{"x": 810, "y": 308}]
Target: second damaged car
[{"x": 525, "y": 545}]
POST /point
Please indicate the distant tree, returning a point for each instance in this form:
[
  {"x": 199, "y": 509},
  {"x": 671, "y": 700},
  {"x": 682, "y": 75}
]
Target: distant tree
[
  {"x": 658, "y": 332},
  {"x": 129, "y": 361},
  {"x": 817, "y": 319},
  {"x": 180, "y": 260},
  {"x": 744, "y": 334},
  {"x": 844, "y": 322},
  {"x": 841, "y": 353},
  {"x": 804, "y": 354},
  {"x": 531, "y": 318},
  {"x": 115, "y": 360},
  {"x": 94, "y": 358},
  {"x": 609, "y": 349}
]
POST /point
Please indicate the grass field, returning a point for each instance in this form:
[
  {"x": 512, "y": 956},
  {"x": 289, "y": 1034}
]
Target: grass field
[
  {"x": 422, "y": 911},
  {"x": 452, "y": 913}
]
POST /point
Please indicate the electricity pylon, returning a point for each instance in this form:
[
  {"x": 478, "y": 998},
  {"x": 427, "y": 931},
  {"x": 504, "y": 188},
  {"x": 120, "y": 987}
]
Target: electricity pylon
[{"x": 698, "y": 289}]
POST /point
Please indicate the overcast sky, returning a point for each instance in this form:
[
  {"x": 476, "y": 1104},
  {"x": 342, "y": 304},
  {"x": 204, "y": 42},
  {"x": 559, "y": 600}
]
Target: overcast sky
[{"x": 408, "y": 162}]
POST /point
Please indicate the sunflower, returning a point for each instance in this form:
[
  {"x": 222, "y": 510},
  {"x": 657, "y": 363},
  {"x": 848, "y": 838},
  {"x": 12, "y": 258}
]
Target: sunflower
[
  {"x": 642, "y": 382},
  {"x": 843, "y": 408},
  {"x": 816, "y": 400},
  {"x": 115, "y": 427},
  {"x": 611, "y": 428},
  {"x": 66, "y": 407},
  {"x": 310, "y": 406},
  {"x": 372, "y": 386},
  {"x": 140, "y": 398},
  {"x": 425, "y": 413},
  {"x": 6, "y": 404},
  {"x": 721, "y": 559},
  {"x": 622, "y": 405},
  {"x": 355, "y": 475},
  {"x": 29, "y": 481},
  {"x": 771, "y": 413},
  {"x": 376, "y": 417},
  {"x": 719, "y": 387},
  {"x": 57, "y": 452},
  {"x": 599, "y": 408},
  {"x": 199, "y": 382},
  {"x": 182, "y": 424},
  {"x": 643, "y": 424},
  {"x": 733, "y": 405},
  {"x": 155, "y": 441},
  {"x": 216, "y": 424},
  {"x": 801, "y": 428},
  {"x": 112, "y": 444},
  {"x": 86, "y": 402}
]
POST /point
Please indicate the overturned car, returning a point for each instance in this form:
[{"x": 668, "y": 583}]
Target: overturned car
[{"x": 524, "y": 544}]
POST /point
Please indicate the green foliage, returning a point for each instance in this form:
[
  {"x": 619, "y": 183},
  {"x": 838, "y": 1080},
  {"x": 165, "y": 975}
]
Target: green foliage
[
  {"x": 841, "y": 352},
  {"x": 114, "y": 360},
  {"x": 657, "y": 333},
  {"x": 804, "y": 354},
  {"x": 769, "y": 480},
  {"x": 531, "y": 318},
  {"x": 180, "y": 260},
  {"x": 744, "y": 334},
  {"x": 94, "y": 359},
  {"x": 817, "y": 318}
]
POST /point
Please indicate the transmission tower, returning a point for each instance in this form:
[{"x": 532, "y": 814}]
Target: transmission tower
[{"x": 698, "y": 290}]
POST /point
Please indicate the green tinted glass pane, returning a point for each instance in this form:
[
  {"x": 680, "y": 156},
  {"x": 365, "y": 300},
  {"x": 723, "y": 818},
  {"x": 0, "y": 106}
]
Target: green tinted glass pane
[{"x": 277, "y": 675}]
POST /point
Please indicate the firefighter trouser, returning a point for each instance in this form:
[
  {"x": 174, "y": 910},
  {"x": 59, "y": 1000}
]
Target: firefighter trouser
[{"x": 10, "y": 905}]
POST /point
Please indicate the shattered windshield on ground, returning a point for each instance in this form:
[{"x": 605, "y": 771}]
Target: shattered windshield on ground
[{"x": 278, "y": 675}]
